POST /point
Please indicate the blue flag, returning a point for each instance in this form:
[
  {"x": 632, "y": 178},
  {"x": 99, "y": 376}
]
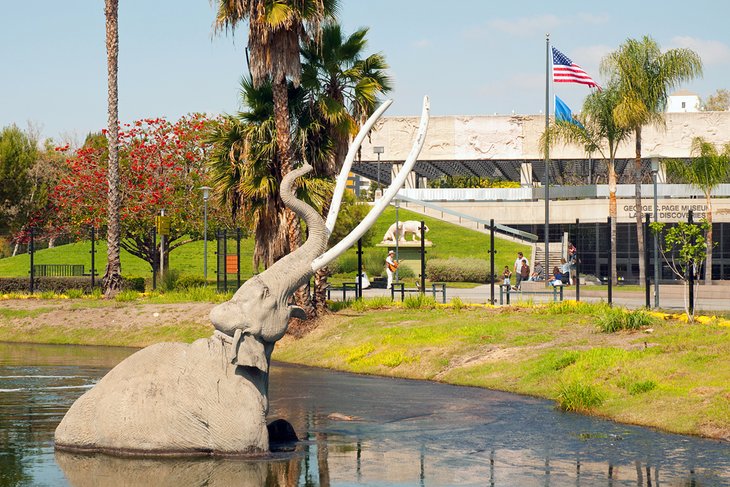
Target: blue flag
[{"x": 563, "y": 113}]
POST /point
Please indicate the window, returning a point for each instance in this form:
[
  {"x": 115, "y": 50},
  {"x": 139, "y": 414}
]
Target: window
[{"x": 684, "y": 104}]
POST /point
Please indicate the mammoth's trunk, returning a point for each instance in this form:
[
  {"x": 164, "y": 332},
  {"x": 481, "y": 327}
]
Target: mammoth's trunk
[{"x": 295, "y": 269}]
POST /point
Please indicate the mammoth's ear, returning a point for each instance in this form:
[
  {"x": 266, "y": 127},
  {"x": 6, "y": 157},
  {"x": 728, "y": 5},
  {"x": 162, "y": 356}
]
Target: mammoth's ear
[{"x": 297, "y": 312}]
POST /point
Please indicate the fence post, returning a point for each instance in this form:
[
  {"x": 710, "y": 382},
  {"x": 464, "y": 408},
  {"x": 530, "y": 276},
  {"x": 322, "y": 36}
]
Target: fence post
[
  {"x": 492, "y": 275},
  {"x": 93, "y": 252},
  {"x": 225, "y": 261},
  {"x": 238, "y": 257},
  {"x": 610, "y": 264},
  {"x": 423, "y": 257},
  {"x": 647, "y": 278},
  {"x": 691, "y": 266},
  {"x": 358, "y": 281},
  {"x": 577, "y": 263},
  {"x": 31, "y": 251},
  {"x": 154, "y": 258}
]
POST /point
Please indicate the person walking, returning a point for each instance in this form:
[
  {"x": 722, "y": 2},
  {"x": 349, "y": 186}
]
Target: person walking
[{"x": 390, "y": 266}]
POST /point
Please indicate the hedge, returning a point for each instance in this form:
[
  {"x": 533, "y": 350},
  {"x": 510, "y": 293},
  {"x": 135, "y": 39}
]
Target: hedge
[
  {"x": 457, "y": 270},
  {"x": 62, "y": 284}
]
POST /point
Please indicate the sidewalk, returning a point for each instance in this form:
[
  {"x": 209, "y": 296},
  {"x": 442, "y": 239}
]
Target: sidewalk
[{"x": 670, "y": 299}]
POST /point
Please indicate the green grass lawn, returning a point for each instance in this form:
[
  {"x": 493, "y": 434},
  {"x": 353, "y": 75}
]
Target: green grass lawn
[{"x": 449, "y": 240}]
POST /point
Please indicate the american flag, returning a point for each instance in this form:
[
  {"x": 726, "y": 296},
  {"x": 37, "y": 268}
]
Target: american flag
[{"x": 565, "y": 71}]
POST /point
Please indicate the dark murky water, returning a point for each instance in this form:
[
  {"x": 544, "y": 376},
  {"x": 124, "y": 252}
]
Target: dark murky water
[{"x": 398, "y": 433}]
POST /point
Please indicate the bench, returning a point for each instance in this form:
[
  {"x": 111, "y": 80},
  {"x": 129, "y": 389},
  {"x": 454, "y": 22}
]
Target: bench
[
  {"x": 505, "y": 290},
  {"x": 436, "y": 287},
  {"x": 58, "y": 270},
  {"x": 345, "y": 288}
]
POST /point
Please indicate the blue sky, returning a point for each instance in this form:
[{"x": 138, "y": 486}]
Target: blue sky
[{"x": 472, "y": 57}]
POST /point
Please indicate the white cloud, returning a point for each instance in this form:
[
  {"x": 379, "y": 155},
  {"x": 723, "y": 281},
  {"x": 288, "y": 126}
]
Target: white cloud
[
  {"x": 711, "y": 52},
  {"x": 421, "y": 44},
  {"x": 524, "y": 26}
]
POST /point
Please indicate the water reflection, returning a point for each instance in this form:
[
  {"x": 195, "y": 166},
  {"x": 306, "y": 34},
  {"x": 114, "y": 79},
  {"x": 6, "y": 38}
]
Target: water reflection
[{"x": 355, "y": 431}]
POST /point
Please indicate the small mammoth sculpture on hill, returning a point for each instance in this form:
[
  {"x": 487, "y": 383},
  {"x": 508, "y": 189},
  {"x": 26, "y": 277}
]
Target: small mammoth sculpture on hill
[{"x": 404, "y": 228}]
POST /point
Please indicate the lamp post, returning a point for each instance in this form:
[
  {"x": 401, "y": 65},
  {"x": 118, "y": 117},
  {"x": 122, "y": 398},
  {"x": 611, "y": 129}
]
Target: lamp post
[
  {"x": 206, "y": 196},
  {"x": 654, "y": 176},
  {"x": 378, "y": 150}
]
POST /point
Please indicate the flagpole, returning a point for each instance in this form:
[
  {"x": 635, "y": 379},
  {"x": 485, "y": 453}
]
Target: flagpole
[{"x": 547, "y": 157}]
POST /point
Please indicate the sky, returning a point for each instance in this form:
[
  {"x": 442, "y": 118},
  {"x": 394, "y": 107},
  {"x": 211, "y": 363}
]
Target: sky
[{"x": 472, "y": 57}]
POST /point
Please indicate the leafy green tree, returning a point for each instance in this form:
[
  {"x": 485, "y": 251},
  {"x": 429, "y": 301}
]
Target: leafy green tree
[
  {"x": 599, "y": 133},
  {"x": 18, "y": 153},
  {"x": 718, "y": 102},
  {"x": 705, "y": 170},
  {"x": 644, "y": 75},
  {"x": 684, "y": 248}
]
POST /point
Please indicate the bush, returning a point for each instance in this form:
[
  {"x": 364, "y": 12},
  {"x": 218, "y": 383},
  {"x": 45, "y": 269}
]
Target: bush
[
  {"x": 61, "y": 285},
  {"x": 169, "y": 280},
  {"x": 419, "y": 301},
  {"x": 188, "y": 282},
  {"x": 615, "y": 319},
  {"x": 579, "y": 397},
  {"x": 457, "y": 270}
]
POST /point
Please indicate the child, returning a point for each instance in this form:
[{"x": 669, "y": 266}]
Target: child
[{"x": 506, "y": 274}]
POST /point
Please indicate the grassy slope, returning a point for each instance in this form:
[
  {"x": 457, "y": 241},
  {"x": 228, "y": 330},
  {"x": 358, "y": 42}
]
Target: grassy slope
[
  {"x": 448, "y": 239},
  {"x": 673, "y": 378}
]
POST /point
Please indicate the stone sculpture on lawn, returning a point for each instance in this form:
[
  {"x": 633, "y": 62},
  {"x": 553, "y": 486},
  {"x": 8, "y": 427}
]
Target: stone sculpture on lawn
[{"x": 211, "y": 397}]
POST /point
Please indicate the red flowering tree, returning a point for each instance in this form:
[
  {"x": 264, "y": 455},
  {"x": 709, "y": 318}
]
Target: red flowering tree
[{"x": 161, "y": 167}]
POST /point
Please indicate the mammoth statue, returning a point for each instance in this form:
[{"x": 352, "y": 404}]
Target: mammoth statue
[
  {"x": 403, "y": 229},
  {"x": 210, "y": 397}
]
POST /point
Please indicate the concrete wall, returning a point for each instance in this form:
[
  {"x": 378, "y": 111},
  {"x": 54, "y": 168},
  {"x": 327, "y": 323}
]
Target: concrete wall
[{"x": 516, "y": 137}]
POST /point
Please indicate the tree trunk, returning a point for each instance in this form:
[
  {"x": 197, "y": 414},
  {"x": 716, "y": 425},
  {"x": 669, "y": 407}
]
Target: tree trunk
[
  {"x": 113, "y": 274},
  {"x": 708, "y": 260},
  {"x": 319, "y": 298},
  {"x": 613, "y": 213},
  {"x": 639, "y": 224},
  {"x": 283, "y": 143}
]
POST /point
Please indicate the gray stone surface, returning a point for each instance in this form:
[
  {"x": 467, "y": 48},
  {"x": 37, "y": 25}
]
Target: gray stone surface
[{"x": 172, "y": 398}]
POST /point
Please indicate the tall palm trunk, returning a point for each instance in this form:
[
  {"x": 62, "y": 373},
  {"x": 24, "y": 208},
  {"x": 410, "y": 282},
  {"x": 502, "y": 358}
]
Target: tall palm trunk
[
  {"x": 639, "y": 224},
  {"x": 613, "y": 213},
  {"x": 113, "y": 275},
  {"x": 283, "y": 143},
  {"x": 708, "y": 259}
]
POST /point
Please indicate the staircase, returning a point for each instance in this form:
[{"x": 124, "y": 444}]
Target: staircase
[{"x": 556, "y": 253}]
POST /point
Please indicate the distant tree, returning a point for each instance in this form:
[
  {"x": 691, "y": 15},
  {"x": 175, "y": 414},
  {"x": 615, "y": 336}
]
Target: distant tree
[
  {"x": 718, "y": 102},
  {"x": 598, "y": 132},
  {"x": 706, "y": 169},
  {"x": 18, "y": 153},
  {"x": 644, "y": 76},
  {"x": 683, "y": 248}
]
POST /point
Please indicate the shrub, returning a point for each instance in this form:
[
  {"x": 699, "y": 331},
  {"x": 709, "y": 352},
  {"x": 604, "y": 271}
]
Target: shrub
[
  {"x": 577, "y": 396},
  {"x": 457, "y": 304},
  {"x": 611, "y": 320},
  {"x": 344, "y": 264},
  {"x": 126, "y": 296},
  {"x": 374, "y": 261},
  {"x": 419, "y": 301},
  {"x": 189, "y": 281},
  {"x": 74, "y": 293},
  {"x": 61, "y": 285},
  {"x": 377, "y": 302},
  {"x": 405, "y": 272},
  {"x": 457, "y": 270},
  {"x": 169, "y": 279}
]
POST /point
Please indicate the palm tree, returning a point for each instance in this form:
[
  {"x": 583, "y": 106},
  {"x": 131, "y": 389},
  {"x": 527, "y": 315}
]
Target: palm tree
[
  {"x": 343, "y": 86},
  {"x": 705, "y": 171},
  {"x": 246, "y": 170},
  {"x": 113, "y": 275},
  {"x": 342, "y": 92},
  {"x": 275, "y": 28},
  {"x": 644, "y": 76},
  {"x": 599, "y": 133}
]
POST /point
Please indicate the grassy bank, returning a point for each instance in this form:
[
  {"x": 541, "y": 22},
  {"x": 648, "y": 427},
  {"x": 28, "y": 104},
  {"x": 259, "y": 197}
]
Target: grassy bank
[
  {"x": 666, "y": 374},
  {"x": 655, "y": 370}
]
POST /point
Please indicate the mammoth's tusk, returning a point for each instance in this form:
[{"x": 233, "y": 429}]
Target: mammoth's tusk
[
  {"x": 389, "y": 194},
  {"x": 347, "y": 165}
]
